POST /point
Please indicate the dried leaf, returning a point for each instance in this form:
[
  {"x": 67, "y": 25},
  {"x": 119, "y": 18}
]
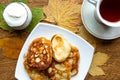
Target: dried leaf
[
  {"x": 99, "y": 59},
  {"x": 96, "y": 71},
  {"x": 64, "y": 13},
  {"x": 11, "y": 47},
  {"x": 77, "y": 1}
]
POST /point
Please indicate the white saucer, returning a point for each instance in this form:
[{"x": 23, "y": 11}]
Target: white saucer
[{"x": 95, "y": 28}]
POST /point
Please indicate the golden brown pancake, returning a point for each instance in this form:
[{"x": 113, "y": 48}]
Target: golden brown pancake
[
  {"x": 61, "y": 47},
  {"x": 73, "y": 59},
  {"x": 35, "y": 74},
  {"x": 59, "y": 71},
  {"x": 39, "y": 54},
  {"x": 65, "y": 70}
]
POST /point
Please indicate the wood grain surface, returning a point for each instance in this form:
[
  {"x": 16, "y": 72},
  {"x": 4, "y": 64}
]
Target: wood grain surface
[{"x": 111, "y": 47}]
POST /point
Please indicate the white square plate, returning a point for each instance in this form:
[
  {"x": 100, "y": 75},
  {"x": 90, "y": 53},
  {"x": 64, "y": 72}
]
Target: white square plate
[{"x": 43, "y": 29}]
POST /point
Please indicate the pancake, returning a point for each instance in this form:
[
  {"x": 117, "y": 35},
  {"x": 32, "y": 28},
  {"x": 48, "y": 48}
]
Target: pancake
[
  {"x": 59, "y": 71},
  {"x": 67, "y": 69},
  {"x": 39, "y": 54},
  {"x": 35, "y": 74},
  {"x": 74, "y": 59},
  {"x": 61, "y": 47}
]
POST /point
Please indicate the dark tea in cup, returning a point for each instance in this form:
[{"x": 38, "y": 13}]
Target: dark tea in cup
[
  {"x": 110, "y": 10},
  {"x": 107, "y": 12}
]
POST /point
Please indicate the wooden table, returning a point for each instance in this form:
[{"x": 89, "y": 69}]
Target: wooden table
[{"x": 111, "y": 47}]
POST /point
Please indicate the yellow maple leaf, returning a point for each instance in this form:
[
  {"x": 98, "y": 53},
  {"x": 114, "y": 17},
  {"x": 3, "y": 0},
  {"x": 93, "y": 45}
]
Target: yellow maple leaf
[
  {"x": 64, "y": 13},
  {"x": 77, "y": 1},
  {"x": 11, "y": 47},
  {"x": 99, "y": 59},
  {"x": 96, "y": 71}
]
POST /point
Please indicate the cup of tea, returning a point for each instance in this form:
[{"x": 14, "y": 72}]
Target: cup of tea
[{"x": 107, "y": 12}]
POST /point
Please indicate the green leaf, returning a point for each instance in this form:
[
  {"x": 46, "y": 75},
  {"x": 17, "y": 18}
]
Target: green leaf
[
  {"x": 3, "y": 24},
  {"x": 2, "y": 7},
  {"x": 37, "y": 16},
  {"x": 24, "y": 1}
]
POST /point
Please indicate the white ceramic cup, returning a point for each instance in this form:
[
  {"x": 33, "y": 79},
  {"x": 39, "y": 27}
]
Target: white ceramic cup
[{"x": 98, "y": 16}]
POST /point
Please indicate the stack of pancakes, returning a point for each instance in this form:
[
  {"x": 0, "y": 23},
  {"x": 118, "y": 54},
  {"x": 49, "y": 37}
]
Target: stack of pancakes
[{"x": 54, "y": 59}]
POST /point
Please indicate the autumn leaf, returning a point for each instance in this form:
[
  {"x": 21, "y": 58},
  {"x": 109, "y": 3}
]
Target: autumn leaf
[
  {"x": 77, "y": 1},
  {"x": 63, "y": 13},
  {"x": 11, "y": 47},
  {"x": 99, "y": 59},
  {"x": 96, "y": 71}
]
